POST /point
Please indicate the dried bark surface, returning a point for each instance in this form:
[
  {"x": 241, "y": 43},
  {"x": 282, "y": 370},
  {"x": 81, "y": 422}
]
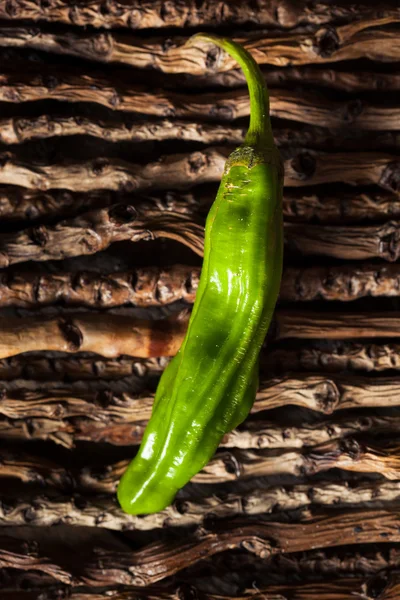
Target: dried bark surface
[
  {"x": 86, "y": 412},
  {"x": 336, "y": 326},
  {"x": 305, "y": 107},
  {"x": 18, "y": 130},
  {"x": 109, "y": 335},
  {"x": 96, "y": 230},
  {"x": 159, "y": 560},
  {"x": 156, "y": 286},
  {"x": 149, "y": 286},
  {"x": 365, "y": 38},
  {"x": 18, "y": 203},
  {"x": 312, "y": 356},
  {"x": 182, "y": 171},
  {"x": 339, "y": 80},
  {"x": 51, "y": 508},
  {"x": 137, "y": 14},
  {"x": 343, "y": 282},
  {"x": 340, "y": 356},
  {"x": 230, "y": 465},
  {"x": 45, "y": 366},
  {"x": 347, "y": 242},
  {"x": 388, "y": 588},
  {"x": 179, "y": 171}
]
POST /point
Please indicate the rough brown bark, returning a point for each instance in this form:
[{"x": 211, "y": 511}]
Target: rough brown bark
[
  {"x": 150, "y": 286},
  {"x": 224, "y": 106},
  {"x": 341, "y": 207},
  {"x": 49, "y": 367},
  {"x": 346, "y": 81},
  {"x": 66, "y": 415},
  {"x": 17, "y": 130},
  {"x": 162, "y": 559},
  {"x": 139, "y": 14},
  {"x": 17, "y": 203},
  {"x": 349, "y": 242},
  {"x": 156, "y": 286},
  {"x": 311, "y": 356},
  {"x": 336, "y": 326},
  {"x": 96, "y": 230},
  {"x": 105, "y": 334},
  {"x": 361, "y": 39},
  {"x": 344, "y": 282},
  {"x": 49, "y": 509},
  {"x": 298, "y": 206},
  {"x": 111, "y": 335},
  {"x": 169, "y": 171},
  {"x": 230, "y": 465},
  {"x": 340, "y": 356},
  {"x": 96, "y": 412},
  {"x": 387, "y": 588},
  {"x": 183, "y": 171}
]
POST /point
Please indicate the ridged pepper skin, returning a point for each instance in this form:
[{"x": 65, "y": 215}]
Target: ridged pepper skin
[{"x": 210, "y": 385}]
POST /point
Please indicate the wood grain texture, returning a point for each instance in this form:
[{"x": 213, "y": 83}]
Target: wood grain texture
[
  {"x": 328, "y": 77},
  {"x": 95, "y": 231},
  {"x": 318, "y": 206},
  {"x": 338, "y": 356},
  {"x": 109, "y": 335},
  {"x": 113, "y": 413},
  {"x": 156, "y": 286},
  {"x": 388, "y": 588},
  {"x": 116, "y": 94},
  {"x": 51, "y": 508},
  {"x": 162, "y": 559},
  {"x": 18, "y": 130},
  {"x": 344, "y": 283},
  {"x": 155, "y": 14},
  {"x": 336, "y": 326},
  {"x": 366, "y": 38},
  {"x": 92, "y": 332}
]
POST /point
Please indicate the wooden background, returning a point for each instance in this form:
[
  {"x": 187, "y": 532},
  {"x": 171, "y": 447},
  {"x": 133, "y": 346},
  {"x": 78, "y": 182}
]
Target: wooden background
[{"x": 113, "y": 139}]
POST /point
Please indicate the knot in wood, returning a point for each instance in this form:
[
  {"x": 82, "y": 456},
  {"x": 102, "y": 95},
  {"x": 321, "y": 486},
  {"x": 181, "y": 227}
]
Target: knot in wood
[
  {"x": 327, "y": 42},
  {"x": 197, "y": 161},
  {"x": 181, "y": 506},
  {"x": 257, "y": 546},
  {"x": 390, "y": 178},
  {"x": 187, "y": 592},
  {"x": 212, "y": 58},
  {"x": 39, "y": 235},
  {"x": 102, "y": 44},
  {"x": 99, "y": 165},
  {"x": 327, "y": 396},
  {"x": 103, "y": 398},
  {"x": 389, "y": 241},
  {"x": 376, "y": 586},
  {"x": 352, "y": 448},
  {"x": 134, "y": 19},
  {"x": 222, "y": 111},
  {"x": 11, "y": 8},
  {"x": 352, "y": 111},
  {"x": 122, "y": 213},
  {"x": 71, "y": 333},
  {"x": 30, "y": 548},
  {"x": 232, "y": 465},
  {"x": 50, "y": 82},
  {"x": 304, "y": 165}
]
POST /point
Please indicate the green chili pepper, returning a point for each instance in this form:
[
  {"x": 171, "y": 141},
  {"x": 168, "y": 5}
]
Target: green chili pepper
[{"x": 210, "y": 385}]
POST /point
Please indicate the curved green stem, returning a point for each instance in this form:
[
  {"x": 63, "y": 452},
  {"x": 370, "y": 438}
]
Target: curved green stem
[{"x": 259, "y": 133}]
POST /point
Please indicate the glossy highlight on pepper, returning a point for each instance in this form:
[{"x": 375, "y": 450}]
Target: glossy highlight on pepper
[{"x": 209, "y": 387}]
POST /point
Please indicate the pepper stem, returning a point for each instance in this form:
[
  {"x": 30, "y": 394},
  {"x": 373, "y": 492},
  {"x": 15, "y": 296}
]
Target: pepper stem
[{"x": 259, "y": 133}]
